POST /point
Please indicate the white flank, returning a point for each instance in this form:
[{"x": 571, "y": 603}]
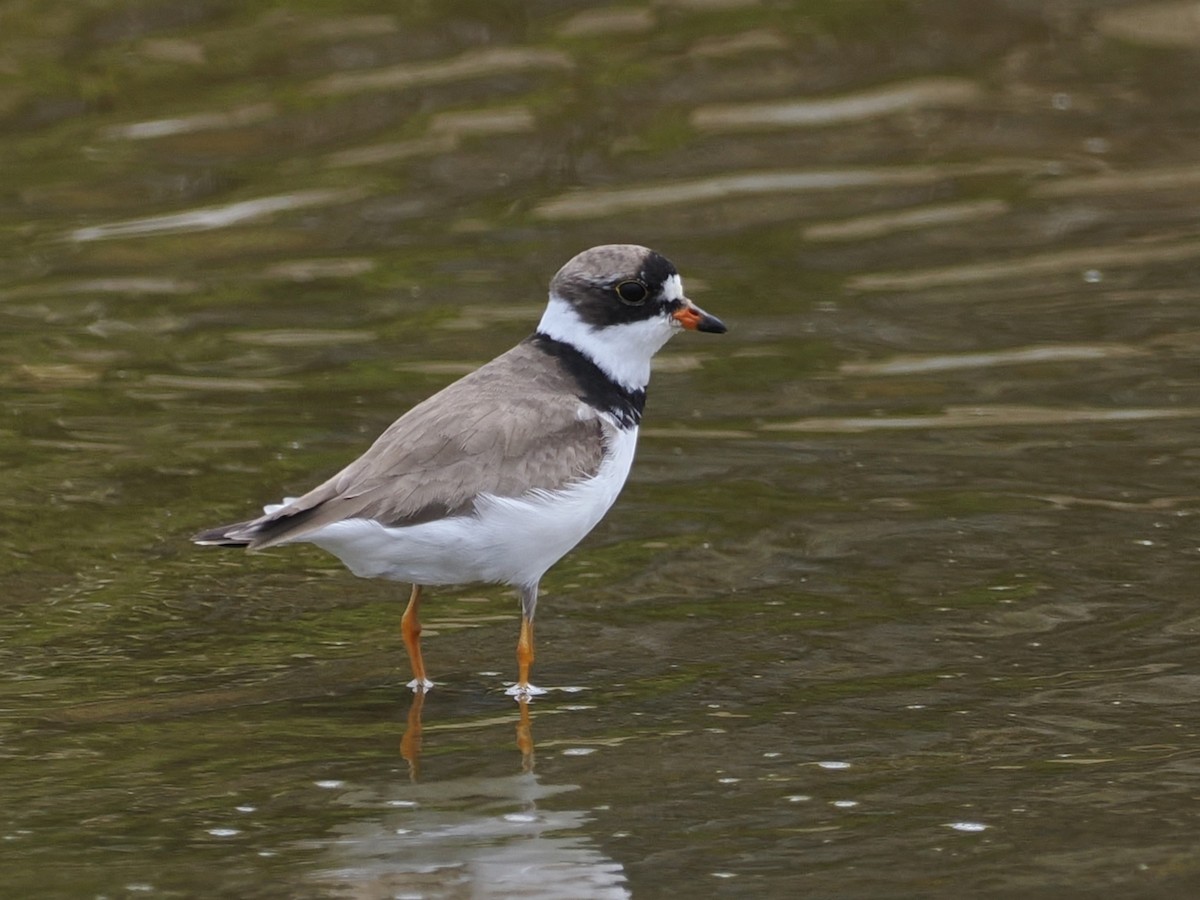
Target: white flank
[
  {"x": 509, "y": 540},
  {"x": 622, "y": 351}
]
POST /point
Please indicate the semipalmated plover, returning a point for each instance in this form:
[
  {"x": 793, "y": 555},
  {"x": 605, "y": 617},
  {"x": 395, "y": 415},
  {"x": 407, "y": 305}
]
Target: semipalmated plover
[{"x": 495, "y": 477}]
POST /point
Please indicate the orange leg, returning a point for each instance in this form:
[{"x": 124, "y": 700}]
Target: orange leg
[
  {"x": 523, "y": 690},
  {"x": 410, "y": 630},
  {"x": 524, "y": 652}
]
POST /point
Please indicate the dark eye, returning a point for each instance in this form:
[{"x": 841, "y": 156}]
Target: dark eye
[{"x": 632, "y": 292}]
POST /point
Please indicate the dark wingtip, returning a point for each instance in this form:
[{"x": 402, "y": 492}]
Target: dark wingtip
[{"x": 220, "y": 537}]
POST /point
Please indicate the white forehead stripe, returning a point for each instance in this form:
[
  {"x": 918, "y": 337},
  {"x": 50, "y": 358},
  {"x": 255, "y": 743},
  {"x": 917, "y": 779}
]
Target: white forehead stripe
[{"x": 673, "y": 288}]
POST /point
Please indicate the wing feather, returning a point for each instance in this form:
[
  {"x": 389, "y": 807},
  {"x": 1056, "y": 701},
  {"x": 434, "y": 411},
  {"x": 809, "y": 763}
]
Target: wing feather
[{"x": 512, "y": 426}]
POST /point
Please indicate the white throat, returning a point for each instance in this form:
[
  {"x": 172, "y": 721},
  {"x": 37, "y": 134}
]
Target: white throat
[{"x": 622, "y": 351}]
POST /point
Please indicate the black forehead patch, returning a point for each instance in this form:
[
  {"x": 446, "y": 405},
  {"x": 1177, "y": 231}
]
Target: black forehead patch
[
  {"x": 656, "y": 269},
  {"x": 590, "y": 280}
]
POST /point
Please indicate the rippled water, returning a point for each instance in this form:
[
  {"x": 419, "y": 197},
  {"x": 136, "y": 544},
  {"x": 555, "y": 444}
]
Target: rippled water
[{"x": 900, "y": 599}]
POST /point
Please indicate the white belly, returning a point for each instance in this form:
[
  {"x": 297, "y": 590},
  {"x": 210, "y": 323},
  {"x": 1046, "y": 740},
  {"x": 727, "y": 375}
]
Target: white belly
[{"x": 508, "y": 540}]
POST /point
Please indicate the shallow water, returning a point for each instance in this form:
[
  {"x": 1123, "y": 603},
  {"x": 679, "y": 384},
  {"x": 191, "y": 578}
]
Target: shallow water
[{"x": 900, "y": 598}]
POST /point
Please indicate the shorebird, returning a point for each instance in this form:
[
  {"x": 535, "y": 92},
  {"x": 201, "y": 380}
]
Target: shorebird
[{"x": 497, "y": 476}]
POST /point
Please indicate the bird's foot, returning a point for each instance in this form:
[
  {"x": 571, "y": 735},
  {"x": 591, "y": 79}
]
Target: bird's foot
[
  {"x": 524, "y": 691},
  {"x": 420, "y": 685}
]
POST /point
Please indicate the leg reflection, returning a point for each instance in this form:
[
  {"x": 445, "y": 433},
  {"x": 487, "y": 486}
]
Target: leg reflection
[
  {"x": 525, "y": 736},
  {"x": 410, "y": 741}
]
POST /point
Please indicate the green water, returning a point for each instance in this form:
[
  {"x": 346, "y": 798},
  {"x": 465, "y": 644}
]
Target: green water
[{"x": 900, "y": 598}]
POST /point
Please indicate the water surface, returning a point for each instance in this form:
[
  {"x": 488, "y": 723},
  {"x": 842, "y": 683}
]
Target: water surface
[{"x": 900, "y": 598}]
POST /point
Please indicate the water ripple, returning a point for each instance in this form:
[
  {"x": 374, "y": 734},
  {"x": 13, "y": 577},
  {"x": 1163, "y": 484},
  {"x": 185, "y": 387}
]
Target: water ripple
[
  {"x": 806, "y": 113},
  {"x": 914, "y": 365},
  {"x": 210, "y": 217},
  {"x": 474, "y": 64},
  {"x": 156, "y": 128},
  {"x": 1056, "y": 263},
  {"x": 983, "y": 416}
]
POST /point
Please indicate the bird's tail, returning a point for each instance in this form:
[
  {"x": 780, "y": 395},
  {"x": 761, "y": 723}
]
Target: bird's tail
[
  {"x": 272, "y": 527},
  {"x": 239, "y": 534}
]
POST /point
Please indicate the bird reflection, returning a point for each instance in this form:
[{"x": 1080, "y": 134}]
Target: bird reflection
[
  {"x": 490, "y": 838},
  {"x": 525, "y": 736},
  {"x": 410, "y": 741}
]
